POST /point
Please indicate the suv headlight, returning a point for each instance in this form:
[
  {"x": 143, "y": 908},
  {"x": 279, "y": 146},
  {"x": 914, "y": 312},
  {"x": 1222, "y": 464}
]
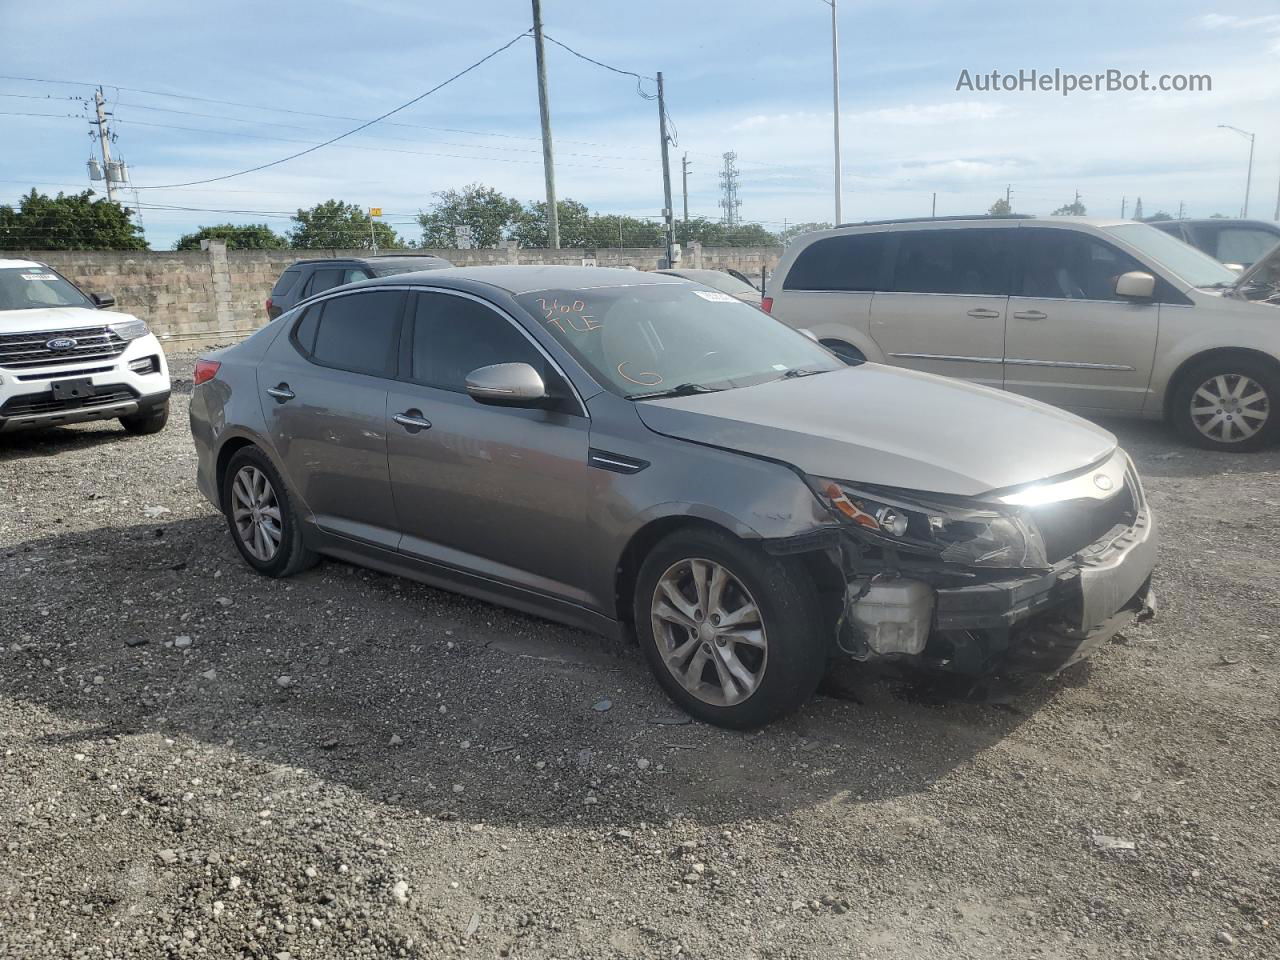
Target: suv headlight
[
  {"x": 974, "y": 534},
  {"x": 130, "y": 329}
]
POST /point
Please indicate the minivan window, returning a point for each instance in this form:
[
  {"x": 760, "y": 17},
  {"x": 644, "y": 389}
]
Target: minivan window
[
  {"x": 1070, "y": 265},
  {"x": 1185, "y": 261},
  {"x": 850, "y": 262},
  {"x": 951, "y": 261},
  {"x": 454, "y": 335},
  {"x": 359, "y": 332},
  {"x": 1244, "y": 245},
  {"x": 286, "y": 282}
]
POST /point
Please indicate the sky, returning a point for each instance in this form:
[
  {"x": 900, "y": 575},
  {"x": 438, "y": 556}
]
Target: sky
[{"x": 741, "y": 75}]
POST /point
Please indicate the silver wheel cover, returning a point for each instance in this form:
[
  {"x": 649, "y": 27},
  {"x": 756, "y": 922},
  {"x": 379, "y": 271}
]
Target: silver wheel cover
[
  {"x": 1230, "y": 408},
  {"x": 709, "y": 631},
  {"x": 256, "y": 513}
]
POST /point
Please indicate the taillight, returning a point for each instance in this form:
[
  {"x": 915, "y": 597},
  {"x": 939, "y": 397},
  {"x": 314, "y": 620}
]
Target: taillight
[
  {"x": 766, "y": 304},
  {"x": 268, "y": 306},
  {"x": 205, "y": 371}
]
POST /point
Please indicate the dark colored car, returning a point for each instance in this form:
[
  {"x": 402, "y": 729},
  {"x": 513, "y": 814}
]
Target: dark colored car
[
  {"x": 1238, "y": 242},
  {"x": 641, "y": 455},
  {"x": 306, "y": 278}
]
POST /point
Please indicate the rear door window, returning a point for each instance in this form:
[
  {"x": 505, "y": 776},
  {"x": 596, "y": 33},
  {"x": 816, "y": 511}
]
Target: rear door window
[
  {"x": 974, "y": 262},
  {"x": 1243, "y": 245},
  {"x": 454, "y": 335},
  {"x": 1069, "y": 265},
  {"x": 852, "y": 262},
  {"x": 359, "y": 332},
  {"x": 325, "y": 279}
]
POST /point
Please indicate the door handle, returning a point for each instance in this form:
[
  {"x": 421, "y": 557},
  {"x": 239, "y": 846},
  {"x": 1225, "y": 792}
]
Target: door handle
[
  {"x": 281, "y": 392},
  {"x": 412, "y": 420},
  {"x": 1030, "y": 315},
  {"x": 982, "y": 313}
]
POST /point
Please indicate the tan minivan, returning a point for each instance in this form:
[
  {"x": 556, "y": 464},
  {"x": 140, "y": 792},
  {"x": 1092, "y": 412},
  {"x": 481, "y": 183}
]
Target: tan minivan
[{"x": 1098, "y": 316}]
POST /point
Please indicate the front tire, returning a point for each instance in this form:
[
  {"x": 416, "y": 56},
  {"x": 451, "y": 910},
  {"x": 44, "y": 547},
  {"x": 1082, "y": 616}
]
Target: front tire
[
  {"x": 264, "y": 524},
  {"x": 148, "y": 422},
  {"x": 1228, "y": 404},
  {"x": 732, "y": 634}
]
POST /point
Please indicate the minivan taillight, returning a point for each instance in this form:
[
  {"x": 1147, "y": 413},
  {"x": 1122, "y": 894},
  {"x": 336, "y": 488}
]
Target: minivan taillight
[
  {"x": 205, "y": 371},
  {"x": 268, "y": 308},
  {"x": 766, "y": 304}
]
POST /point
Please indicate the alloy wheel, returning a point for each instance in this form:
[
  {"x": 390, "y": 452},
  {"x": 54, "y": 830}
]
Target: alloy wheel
[
  {"x": 256, "y": 513},
  {"x": 1230, "y": 408},
  {"x": 709, "y": 631}
]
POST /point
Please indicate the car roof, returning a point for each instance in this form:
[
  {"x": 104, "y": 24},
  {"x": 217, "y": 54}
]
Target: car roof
[
  {"x": 8, "y": 264},
  {"x": 1223, "y": 221},
  {"x": 527, "y": 278},
  {"x": 380, "y": 258},
  {"x": 987, "y": 218}
]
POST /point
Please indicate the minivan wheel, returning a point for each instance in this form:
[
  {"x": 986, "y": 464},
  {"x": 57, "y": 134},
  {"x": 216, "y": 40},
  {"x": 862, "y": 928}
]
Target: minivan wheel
[
  {"x": 261, "y": 516},
  {"x": 1228, "y": 404},
  {"x": 846, "y": 352},
  {"x": 732, "y": 634}
]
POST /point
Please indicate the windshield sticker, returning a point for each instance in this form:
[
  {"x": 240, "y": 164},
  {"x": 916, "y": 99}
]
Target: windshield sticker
[
  {"x": 557, "y": 314},
  {"x": 651, "y": 379},
  {"x": 37, "y": 276},
  {"x": 779, "y": 366},
  {"x": 715, "y": 296}
]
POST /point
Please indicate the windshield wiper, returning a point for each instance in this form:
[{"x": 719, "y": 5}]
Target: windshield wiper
[
  {"x": 798, "y": 372},
  {"x": 679, "y": 390}
]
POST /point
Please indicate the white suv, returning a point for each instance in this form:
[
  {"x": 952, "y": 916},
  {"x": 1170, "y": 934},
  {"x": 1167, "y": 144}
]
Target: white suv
[
  {"x": 1098, "y": 316},
  {"x": 61, "y": 361}
]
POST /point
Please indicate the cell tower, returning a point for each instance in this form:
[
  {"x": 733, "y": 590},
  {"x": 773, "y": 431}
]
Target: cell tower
[{"x": 729, "y": 201}]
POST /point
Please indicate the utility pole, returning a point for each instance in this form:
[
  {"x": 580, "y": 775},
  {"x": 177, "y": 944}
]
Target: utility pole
[
  {"x": 1248, "y": 180},
  {"x": 1181, "y": 207},
  {"x": 544, "y": 108},
  {"x": 835, "y": 100},
  {"x": 1277, "y": 216},
  {"x": 104, "y": 140},
  {"x": 684, "y": 173},
  {"x": 933, "y": 210},
  {"x": 1008, "y": 196},
  {"x": 666, "y": 173},
  {"x": 1124, "y": 205},
  {"x": 729, "y": 201}
]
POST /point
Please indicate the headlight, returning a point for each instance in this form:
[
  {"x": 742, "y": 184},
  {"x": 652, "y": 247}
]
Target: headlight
[
  {"x": 130, "y": 329},
  {"x": 978, "y": 534}
]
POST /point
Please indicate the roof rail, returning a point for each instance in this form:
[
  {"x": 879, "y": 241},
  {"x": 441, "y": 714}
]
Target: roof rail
[{"x": 974, "y": 216}]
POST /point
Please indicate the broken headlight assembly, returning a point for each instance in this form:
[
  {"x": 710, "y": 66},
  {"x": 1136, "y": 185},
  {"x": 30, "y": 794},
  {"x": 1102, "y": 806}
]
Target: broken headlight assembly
[{"x": 972, "y": 534}]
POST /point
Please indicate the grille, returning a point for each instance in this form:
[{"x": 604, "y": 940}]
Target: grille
[
  {"x": 23, "y": 351},
  {"x": 29, "y": 403},
  {"x": 1071, "y": 525}
]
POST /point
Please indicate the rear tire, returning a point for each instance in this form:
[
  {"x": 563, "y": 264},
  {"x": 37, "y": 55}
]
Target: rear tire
[
  {"x": 846, "y": 352},
  {"x": 264, "y": 523},
  {"x": 748, "y": 646},
  {"x": 148, "y": 422},
  {"x": 1209, "y": 407}
]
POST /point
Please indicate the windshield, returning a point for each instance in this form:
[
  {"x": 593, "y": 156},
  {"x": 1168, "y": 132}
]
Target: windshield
[
  {"x": 30, "y": 288},
  {"x": 1183, "y": 260},
  {"x": 652, "y": 338}
]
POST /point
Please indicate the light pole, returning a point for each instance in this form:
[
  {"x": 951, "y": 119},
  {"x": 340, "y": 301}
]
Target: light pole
[
  {"x": 835, "y": 98},
  {"x": 1248, "y": 180}
]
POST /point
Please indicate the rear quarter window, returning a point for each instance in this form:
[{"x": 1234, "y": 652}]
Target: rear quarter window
[
  {"x": 850, "y": 263},
  {"x": 288, "y": 280}
]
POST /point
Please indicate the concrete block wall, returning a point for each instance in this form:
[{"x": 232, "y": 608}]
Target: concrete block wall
[{"x": 218, "y": 295}]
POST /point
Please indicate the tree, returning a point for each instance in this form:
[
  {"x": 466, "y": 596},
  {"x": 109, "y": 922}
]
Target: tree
[
  {"x": 68, "y": 222},
  {"x": 340, "y": 226},
  {"x": 1001, "y": 208},
  {"x": 239, "y": 236},
  {"x": 487, "y": 212},
  {"x": 1137, "y": 209},
  {"x": 797, "y": 229},
  {"x": 1073, "y": 209},
  {"x": 579, "y": 227},
  {"x": 1157, "y": 217},
  {"x": 714, "y": 234}
]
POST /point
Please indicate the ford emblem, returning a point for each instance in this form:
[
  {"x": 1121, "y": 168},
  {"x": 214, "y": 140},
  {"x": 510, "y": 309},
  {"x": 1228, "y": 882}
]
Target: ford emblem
[
  {"x": 61, "y": 343},
  {"x": 1102, "y": 481}
]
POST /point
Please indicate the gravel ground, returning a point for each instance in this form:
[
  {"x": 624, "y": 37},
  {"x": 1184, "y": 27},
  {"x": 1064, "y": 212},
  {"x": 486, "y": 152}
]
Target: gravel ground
[{"x": 200, "y": 762}]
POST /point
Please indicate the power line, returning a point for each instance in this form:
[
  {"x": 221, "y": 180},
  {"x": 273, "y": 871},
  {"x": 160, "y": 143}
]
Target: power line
[
  {"x": 598, "y": 63},
  {"x": 422, "y": 96}
]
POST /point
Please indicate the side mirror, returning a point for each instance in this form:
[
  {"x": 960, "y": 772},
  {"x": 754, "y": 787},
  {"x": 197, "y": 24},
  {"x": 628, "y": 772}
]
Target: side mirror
[
  {"x": 507, "y": 384},
  {"x": 1136, "y": 285},
  {"x": 102, "y": 300}
]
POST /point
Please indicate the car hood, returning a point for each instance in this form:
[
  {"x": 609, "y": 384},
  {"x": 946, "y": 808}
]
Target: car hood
[
  {"x": 57, "y": 318},
  {"x": 884, "y": 426},
  {"x": 1266, "y": 263}
]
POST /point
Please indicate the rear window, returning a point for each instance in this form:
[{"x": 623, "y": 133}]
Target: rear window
[
  {"x": 851, "y": 262},
  {"x": 286, "y": 282}
]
